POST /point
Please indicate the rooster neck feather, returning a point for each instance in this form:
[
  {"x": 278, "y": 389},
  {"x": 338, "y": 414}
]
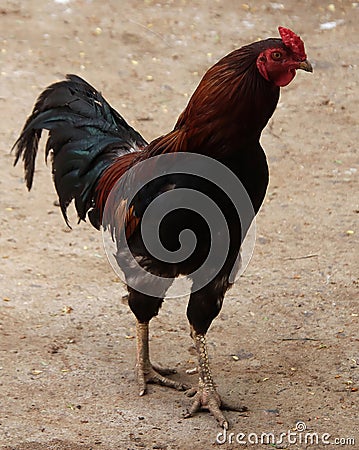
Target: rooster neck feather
[{"x": 228, "y": 110}]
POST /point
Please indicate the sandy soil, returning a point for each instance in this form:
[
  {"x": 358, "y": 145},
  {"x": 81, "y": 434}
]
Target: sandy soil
[{"x": 291, "y": 322}]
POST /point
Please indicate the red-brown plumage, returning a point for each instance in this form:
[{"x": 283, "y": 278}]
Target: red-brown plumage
[
  {"x": 111, "y": 176},
  {"x": 217, "y": 119}
]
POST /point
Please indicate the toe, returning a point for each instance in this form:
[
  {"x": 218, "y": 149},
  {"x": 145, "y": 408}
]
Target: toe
[
  {"x": 227, "y": 406},
  {"x": 153, "y": 375},
  {"x": 191, "y": 392},
  {"x": 156, "y": 377},
  {"x": 164, "y": 370},
  {"x": 214, "y": 408},
  {"x": 196, "y": 406},
  {"x": 141, "y": 381}
]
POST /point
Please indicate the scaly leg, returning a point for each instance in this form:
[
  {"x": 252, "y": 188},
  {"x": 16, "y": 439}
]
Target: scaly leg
[
  {"x": 207, "y": 397},
  {"x": 146, "y": 372}
]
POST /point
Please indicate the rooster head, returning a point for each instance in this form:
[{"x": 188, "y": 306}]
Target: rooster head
[{"x": 279, "y": 62}]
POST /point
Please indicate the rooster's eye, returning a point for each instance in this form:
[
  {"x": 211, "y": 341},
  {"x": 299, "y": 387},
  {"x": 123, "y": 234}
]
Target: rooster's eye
[{"x": 276, "y": 56}]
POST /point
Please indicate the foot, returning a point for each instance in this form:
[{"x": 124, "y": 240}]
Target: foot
[
  {"x": 151, "y": 374},
  {"x": 212, "y": 402}
]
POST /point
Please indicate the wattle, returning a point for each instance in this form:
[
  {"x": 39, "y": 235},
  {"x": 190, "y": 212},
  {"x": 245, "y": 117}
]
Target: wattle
[{"x": 284, "y": 78}]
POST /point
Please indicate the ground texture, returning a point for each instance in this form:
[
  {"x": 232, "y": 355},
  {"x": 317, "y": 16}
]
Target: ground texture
[{"x": 286, "y": 343}]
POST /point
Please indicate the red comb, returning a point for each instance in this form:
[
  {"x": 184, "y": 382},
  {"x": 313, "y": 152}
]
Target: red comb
[{"x": 293, "y": 41}]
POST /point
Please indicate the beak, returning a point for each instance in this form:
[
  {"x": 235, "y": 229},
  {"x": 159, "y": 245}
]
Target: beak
[{"x": 305, "y": 65}]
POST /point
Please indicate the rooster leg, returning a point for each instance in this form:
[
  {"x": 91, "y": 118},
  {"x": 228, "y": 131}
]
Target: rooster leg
[
  {"x": 146, "y": 372},
  {"x": 206, "y": 396}
]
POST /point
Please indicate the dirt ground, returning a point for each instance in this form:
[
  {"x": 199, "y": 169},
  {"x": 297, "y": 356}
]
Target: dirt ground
[{"x": 286, "y": 343}]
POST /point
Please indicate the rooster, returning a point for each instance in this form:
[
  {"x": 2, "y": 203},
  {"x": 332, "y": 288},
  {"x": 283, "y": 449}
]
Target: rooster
[{"x": 92, "y": 148}]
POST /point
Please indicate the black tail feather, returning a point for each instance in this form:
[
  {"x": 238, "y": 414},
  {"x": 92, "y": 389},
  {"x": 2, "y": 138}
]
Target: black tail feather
[{"x": 85, "y": 136}]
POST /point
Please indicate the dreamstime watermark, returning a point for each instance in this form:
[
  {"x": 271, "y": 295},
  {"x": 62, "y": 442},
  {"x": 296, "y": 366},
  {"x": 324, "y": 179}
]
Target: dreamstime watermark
[
  {"x": 300, "y": 435},
  {"x": 162, "y": 190}
]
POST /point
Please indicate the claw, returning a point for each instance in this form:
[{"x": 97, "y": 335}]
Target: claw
[{"x": 143, "y": 392}]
